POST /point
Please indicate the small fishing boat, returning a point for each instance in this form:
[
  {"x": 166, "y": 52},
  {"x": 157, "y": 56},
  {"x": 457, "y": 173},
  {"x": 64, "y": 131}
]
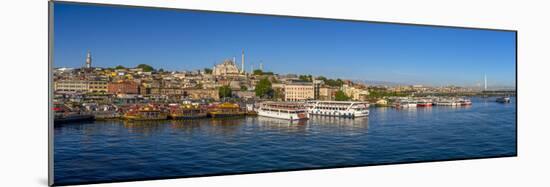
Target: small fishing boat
[
  {"x": 465, "y": 102},
  {"x": 503, "y": 100},
  {"x": 424, "y": 103}
]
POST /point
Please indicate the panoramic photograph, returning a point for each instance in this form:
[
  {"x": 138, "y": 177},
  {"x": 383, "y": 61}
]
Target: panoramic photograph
[{"x": 148, "y": 93}]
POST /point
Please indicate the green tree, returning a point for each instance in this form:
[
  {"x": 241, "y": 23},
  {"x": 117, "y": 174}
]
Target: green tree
[
  {"x": 244, "y": 88},
  {"x": 207, "y": 70},
  {"x": 263, "y": 88},
  {"x": 341, "y": 96},
  {"x": 307, "y": 78},
  {"x": 267, "y": 73},
  {"x": 120, "y": 67},
  {"x": 146, "y": 68},
  {"x": 258, "y": 72},
  {"x": 278, "y": 94},
  {"x": 224, "y": 91},
  {"x": 334, "y": 83}
]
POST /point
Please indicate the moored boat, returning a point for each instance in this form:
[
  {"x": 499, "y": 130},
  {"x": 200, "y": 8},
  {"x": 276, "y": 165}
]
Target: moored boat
[
  {"x": 465, "y": 102},
  {"x": 424, "y": 103},
  {"x": 64, "y": 115},
  {"x": 225, "y": 110},
  {"x": 283, "y": 110},
  {"x": 148, "y": 112},
  {"x": 406, "y": 104},
  {"x": 69, "y": 117},
  {"x": 186, "y": 111},
  {"x": 445, "y": 103},
  {"x": 349, "y": 109},
  {"x": 503, "y": 100}
]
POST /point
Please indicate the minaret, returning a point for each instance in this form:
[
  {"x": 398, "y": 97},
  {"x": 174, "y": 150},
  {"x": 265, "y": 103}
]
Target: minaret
[
  {"x": 242, "y": 62},
  {"x": 485, "y": 85},
  {"x": 89, "y": 60},
  {"x": 261, "y": 66}
]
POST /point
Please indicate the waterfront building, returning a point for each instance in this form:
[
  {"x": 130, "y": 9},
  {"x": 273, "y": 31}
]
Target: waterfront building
[
  {"x": 166, "y": 91},
  {"x": 357, "y": 94},
  {"x": 299, "y": 91},
  {"x": 245, "y": 94},
  {"x": 70, "y": 85},
  {"x": 202, "y": 94},
  {"x": 235, "y": 85},
  {"x": 226, "y": 68},
  {"x": 327, "y": 93},
  {"x": 123, "y": 87},
  {"x": 96, "y": 86},
  {"x": 317, "y": 88}
]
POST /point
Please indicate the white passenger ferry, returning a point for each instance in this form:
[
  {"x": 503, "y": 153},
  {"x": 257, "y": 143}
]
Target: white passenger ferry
[
  {"x": 349, "y": 109},
  {"x": 283, "y": 110}
]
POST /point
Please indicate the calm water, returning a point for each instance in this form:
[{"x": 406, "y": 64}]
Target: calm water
[{"x": 117, "y": 150}]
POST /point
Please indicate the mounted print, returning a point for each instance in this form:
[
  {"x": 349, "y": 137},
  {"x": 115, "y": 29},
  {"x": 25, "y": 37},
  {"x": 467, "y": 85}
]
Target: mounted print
[{"x": 140, "y": 93}]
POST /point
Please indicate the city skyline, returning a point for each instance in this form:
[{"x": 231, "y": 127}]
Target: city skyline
[{"x": 188, "y": 40}]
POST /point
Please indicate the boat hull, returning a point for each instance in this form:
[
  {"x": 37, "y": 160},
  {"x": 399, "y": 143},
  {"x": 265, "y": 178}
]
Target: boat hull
[
  {"x": 137, "y": 118},
  {"x": 225, "y": 115},
  {"x": 282, "y": 115},
  {"x": 82, "y": 118},
  {"x": 334, "y": 113},
  {"x": 180, "y": 117},
  {"x": 424, "y": 104}
]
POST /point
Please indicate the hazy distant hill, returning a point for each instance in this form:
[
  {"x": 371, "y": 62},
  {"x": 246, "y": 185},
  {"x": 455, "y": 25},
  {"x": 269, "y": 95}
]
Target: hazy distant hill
[{"x": 384, "y": 83}]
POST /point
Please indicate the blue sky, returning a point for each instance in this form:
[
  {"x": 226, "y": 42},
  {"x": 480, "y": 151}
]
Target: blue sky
[{"x": 190, "y": 40}]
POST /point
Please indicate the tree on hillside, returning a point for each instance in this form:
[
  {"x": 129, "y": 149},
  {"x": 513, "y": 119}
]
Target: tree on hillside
[
  {"x": 267, "y": 73},
  {"x": 258, "y": 72},
  {"x": 334, "y": 83},
  {"x": 207, "y": 70},
  {"x": 120, "y": 67},
  {"x": 146, "y": 68},
  {"x": 341, "y": 96},
  {"x": 331, "y": 82},
  {"x": 321, "y": 78},
  {"x": 263, "y": 88},
  {"x": 307, "y": 78},
  {"x": 224, "y": 91}
]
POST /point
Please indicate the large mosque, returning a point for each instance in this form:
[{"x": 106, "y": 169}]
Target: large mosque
[{"x": 228, "y": 68}]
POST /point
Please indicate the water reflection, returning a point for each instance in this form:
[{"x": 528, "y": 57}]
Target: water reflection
[
  {"x": 135, "y": 149},
  {"x": 186, "y": 126},
  {"x": 226, "y": 121},
  {"x": 361, "y": 122},
  {"x": 282, "y": 125},
  {"x": 144, "y": 127}
]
